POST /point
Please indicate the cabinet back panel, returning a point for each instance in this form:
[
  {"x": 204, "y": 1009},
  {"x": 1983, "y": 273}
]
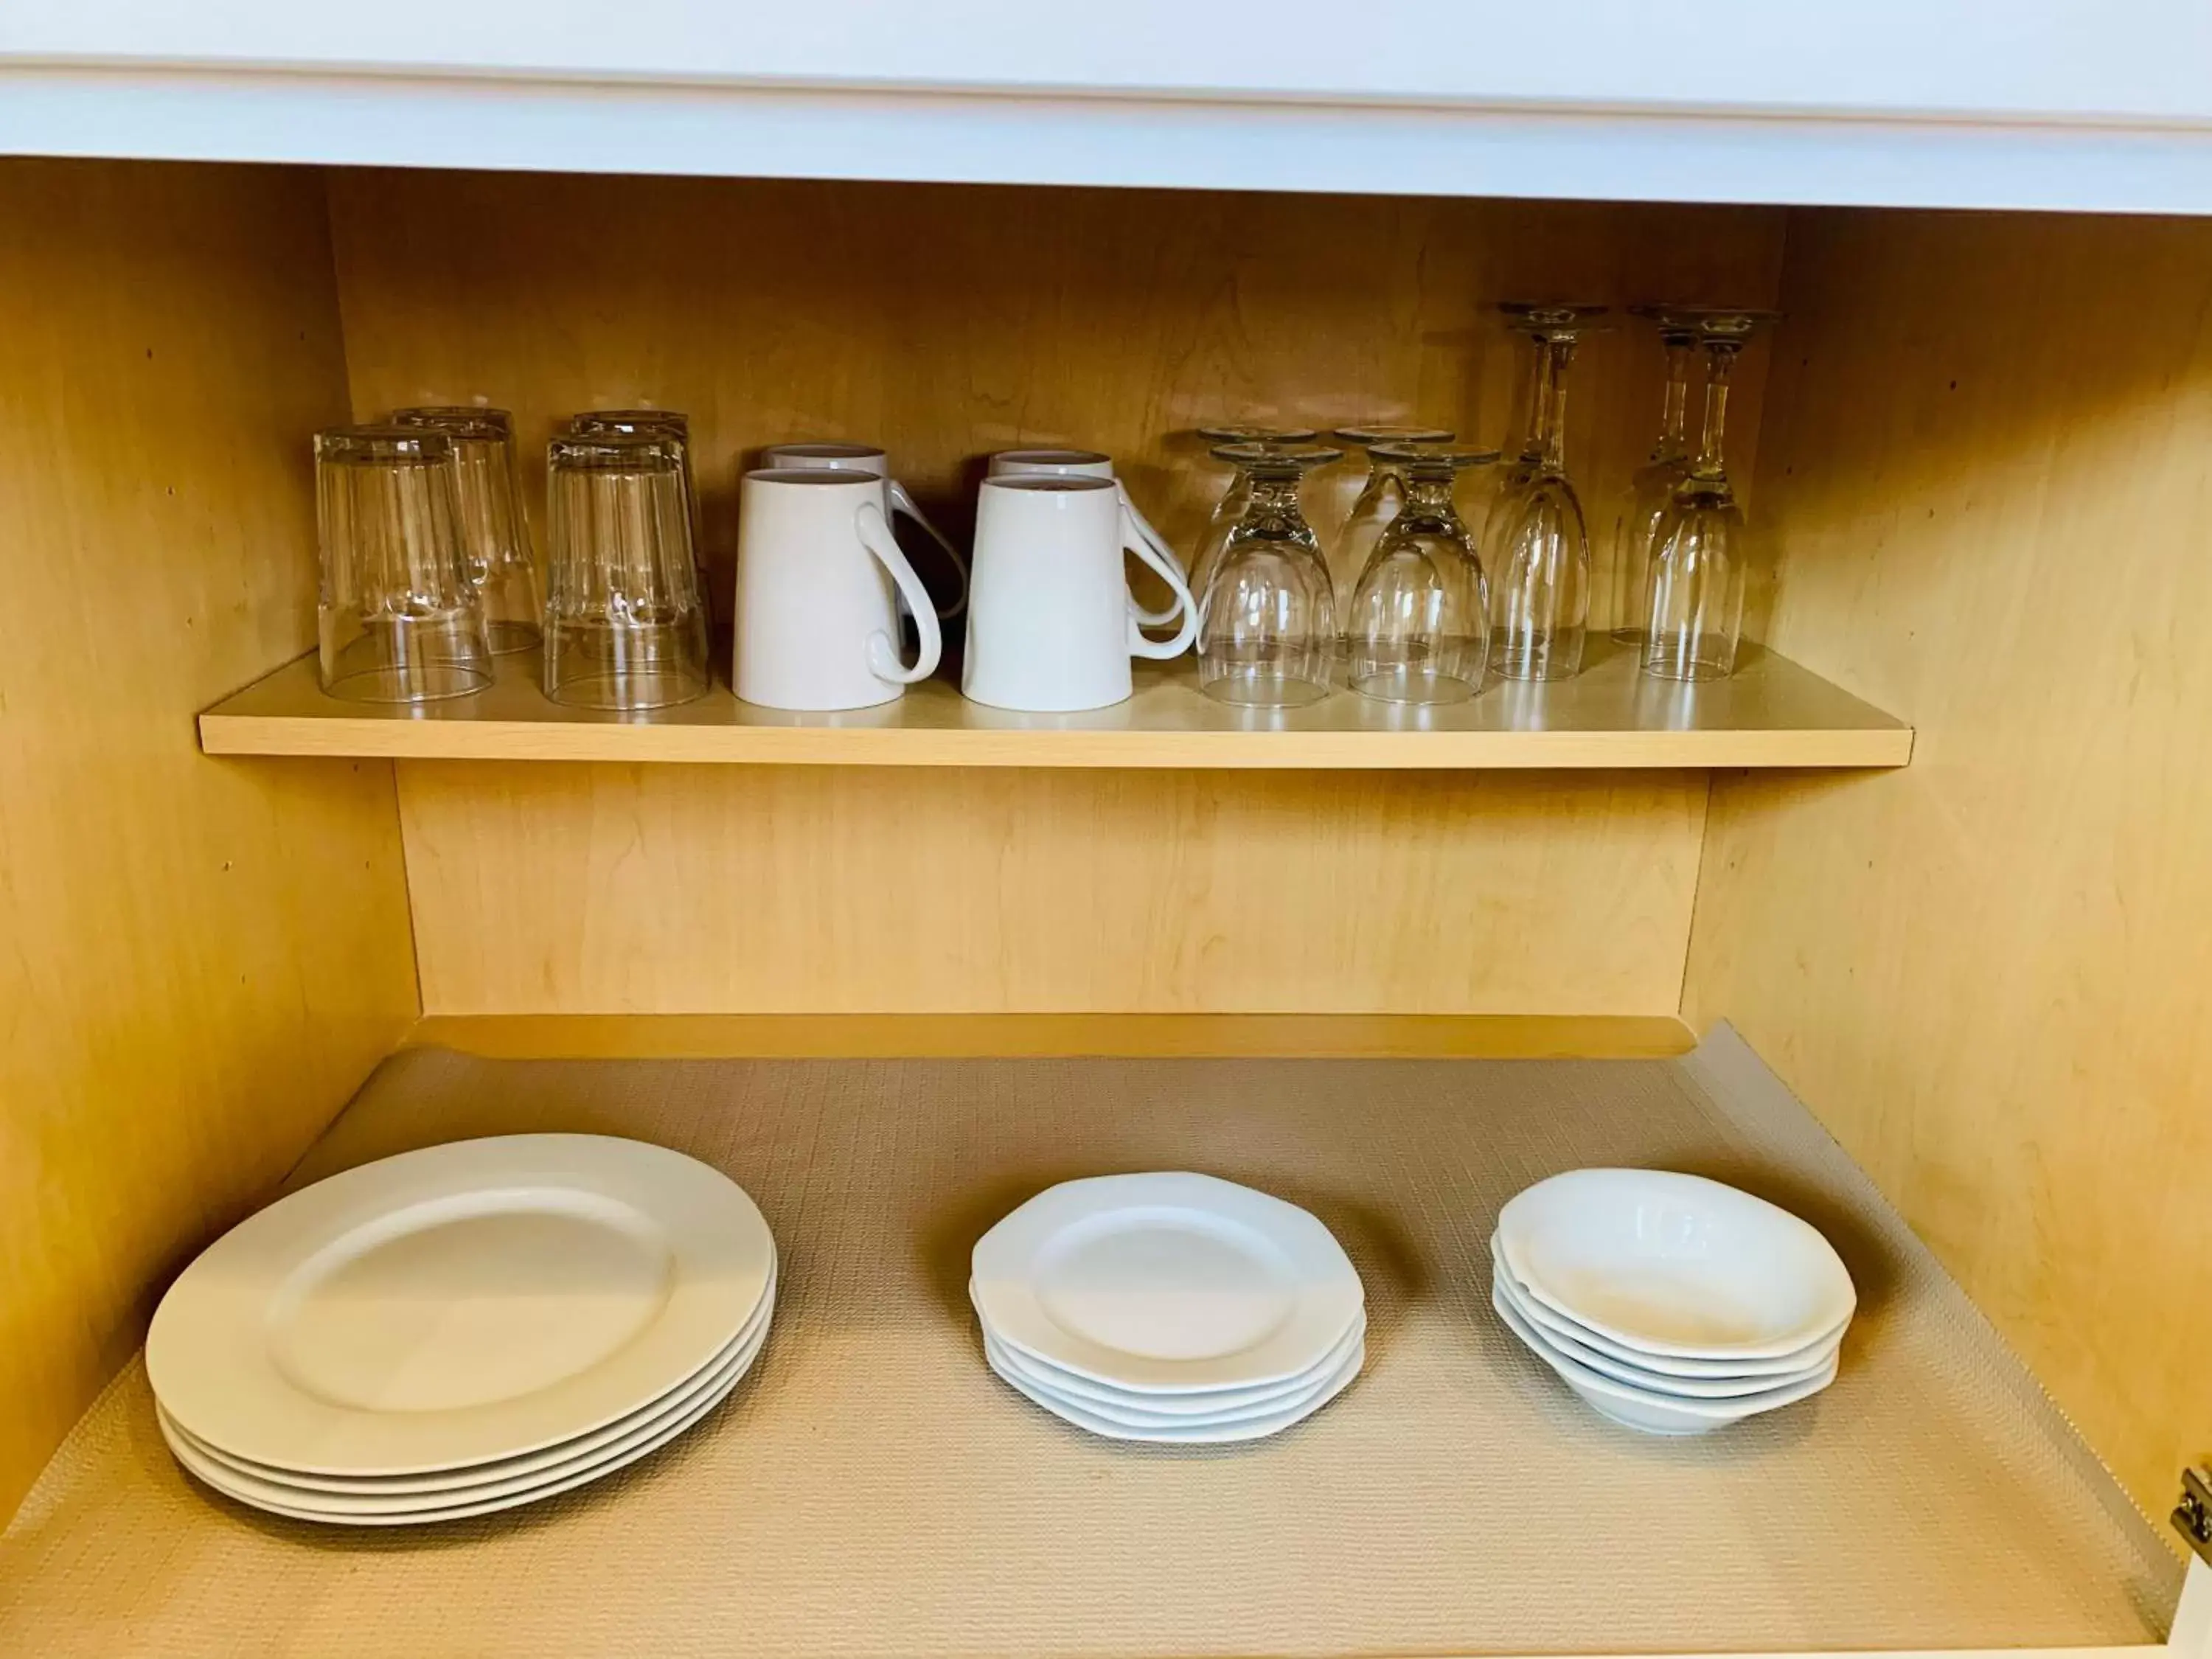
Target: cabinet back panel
[
  {"x": 572, "y": 889},
  {"x": 200, "y": 961},
  {"x": 946, "y": 322},
  {"x": 1989, "y": 465}
]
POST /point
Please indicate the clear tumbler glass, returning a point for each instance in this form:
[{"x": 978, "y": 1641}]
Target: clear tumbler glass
[
  {"x": 625, "y": 625},
  {"x": 674, "y": 426},
  {"x": 400, "y": 619},
  {"x": 1418, "y": 628},
  {"x": 495, "y": 529}
]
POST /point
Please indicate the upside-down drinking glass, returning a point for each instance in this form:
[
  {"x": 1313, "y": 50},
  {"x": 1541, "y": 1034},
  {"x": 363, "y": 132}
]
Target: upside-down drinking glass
[
  {"x": 1418, "y": 629},
  {"x": 400, "y": 619},
  {"x": 625, "y": 626},
  {"x": 1267, "y": 621},
  {"x": 674, "y": 426},
  {"x": 1643, "y": 506},
  {"x": 1694, "y": 623},
  {"x": 1229, "y": 509},
  {"x": 1381, "y": 495},
  {"x": 1539, "y": 590},
  {"x": 495, "y": 529}
]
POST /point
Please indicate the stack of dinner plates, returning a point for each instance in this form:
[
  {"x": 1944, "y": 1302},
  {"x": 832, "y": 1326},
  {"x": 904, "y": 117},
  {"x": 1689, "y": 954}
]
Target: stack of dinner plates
[
  {"x": 1670, "y": 1303},
  {"x": 461, "y": 1329},
  {"x": 1171, "y": 1308}
]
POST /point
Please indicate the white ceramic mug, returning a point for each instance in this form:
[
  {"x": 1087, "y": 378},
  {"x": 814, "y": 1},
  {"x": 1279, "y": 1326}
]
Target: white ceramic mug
[
  {"x": 866, "y": 457},
  {"x": 1051, "y": 626},
  {"x": 817, "y": 568},
  {"x": 1090, "y": 464}
]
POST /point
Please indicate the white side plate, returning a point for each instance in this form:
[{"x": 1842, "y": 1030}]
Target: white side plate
[
  {"x": 1168, "y": 1283},
  {"x": 1011, "y": 1364},
  {"x": 1250, "y": 1428}
]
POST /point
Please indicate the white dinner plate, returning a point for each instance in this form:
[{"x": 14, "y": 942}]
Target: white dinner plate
[
  {"x": 1214, "y": 1434},
  {"x": 264, "y": 1491},
  {"x": 1210, "y": 1403},
  {"x": 463, "y": 1303},
  {"x": 1652, "y": 1414},
  {"x": 1636, "y": 1377},
  {"x": 337, "y": 1512},
  {"x": 1168, "y": 1283},
  {"x": 1675, "y": 1264},
  {"x": 1008, "y": 1364},
  {"x": 510, "y": 1473}
]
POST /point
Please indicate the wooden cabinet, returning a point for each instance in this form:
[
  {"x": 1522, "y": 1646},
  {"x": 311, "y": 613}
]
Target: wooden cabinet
[{"x": 1938, "y": 854}]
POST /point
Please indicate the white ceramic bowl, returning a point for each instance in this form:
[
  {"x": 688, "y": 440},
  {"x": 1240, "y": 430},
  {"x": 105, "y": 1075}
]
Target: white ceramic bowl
[
  {"x": 1577, "y": 1337},
  {"x": 1674, "y": 1265},
  {"x": 1652, "y": 1414},
  {"x": 1636, "y": 1377}
]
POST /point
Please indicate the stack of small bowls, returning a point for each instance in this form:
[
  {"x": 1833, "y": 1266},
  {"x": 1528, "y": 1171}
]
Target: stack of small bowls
[{"x": 1670, "y": 1303}]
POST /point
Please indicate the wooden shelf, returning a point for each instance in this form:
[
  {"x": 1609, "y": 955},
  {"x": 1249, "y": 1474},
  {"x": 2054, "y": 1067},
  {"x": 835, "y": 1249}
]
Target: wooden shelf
[
  {"x": 1774, "y": 714},
  {"x": 870, "y": 1489}
]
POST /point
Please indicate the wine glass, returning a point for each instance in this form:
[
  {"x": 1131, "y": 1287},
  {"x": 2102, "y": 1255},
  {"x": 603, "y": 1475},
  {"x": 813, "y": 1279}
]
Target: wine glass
[
  {"x": 1266, "y": 617},
  {"x": 1694, "y": 621},
  {"x": 1378, "y": 501},
  {"x": 1418, "y": 629},
  {"x": 1540, "y": 598},
  {"x": 1652, "y": 486},
  {"x": 1230, "y": 507},
  {"x": 1532, "y": 394}
]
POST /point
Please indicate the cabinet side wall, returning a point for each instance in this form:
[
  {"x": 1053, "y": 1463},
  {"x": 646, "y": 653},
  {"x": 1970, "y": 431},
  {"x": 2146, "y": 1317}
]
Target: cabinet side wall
[
  {"x": 199, "y": 959},
  {"x": 944, "y": 323},
  {"x": 1988, "y": 470}
]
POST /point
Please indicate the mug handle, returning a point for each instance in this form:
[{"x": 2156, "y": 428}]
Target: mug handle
[
  {"x": 1159, "y": 545},
  {"x": 903, "y": 504},
  {"x": 1170, "y": 572},
  {"x": 883, "y": 656}
]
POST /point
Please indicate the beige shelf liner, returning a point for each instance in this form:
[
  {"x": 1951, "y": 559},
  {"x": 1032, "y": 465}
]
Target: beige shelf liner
[{"x": 873, "y": 1489}]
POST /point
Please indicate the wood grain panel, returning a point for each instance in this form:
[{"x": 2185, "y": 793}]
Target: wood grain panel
[
  {"x": 1989, "y": 462},
  {"x": 682, "y": 890},
  {"x": 859, "y": 1036},
  {"x": 199, "y": 959}
]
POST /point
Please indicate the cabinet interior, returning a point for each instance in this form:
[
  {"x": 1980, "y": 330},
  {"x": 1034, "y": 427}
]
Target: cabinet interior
[{"x": 1976, "y": 451}]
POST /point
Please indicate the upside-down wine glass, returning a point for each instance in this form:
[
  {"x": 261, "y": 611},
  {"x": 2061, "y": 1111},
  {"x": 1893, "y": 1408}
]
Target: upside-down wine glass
[
  {"x": 1643, "y": 506},
  {"x": 1229, "y": 509},
  {"x": 1418, "y": 629},
  {"x": 1267, "y": 621},
  {"x": 1540, "y": 593},
  {"x": 1694, "y": 623},
  {"x": 1381, "y": 496}
]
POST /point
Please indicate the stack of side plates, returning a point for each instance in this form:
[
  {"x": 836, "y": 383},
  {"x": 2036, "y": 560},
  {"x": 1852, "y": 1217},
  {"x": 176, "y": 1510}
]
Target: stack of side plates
[
  {"x": 461, "y": 1329},
  {"x": 1171, "y": 1308},
  {"x": 1670, "y": 1303}
]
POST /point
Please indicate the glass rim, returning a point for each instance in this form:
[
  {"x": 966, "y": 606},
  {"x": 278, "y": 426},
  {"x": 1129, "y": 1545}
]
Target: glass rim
[
  {"x": 382, "y": 443},
  {"x": 614, "y": 452},
  {"x": 457, "y": 419},
  {"x": 1256, "y": 458},
  {"x": 1447, "y": 461},
  {"x": 1258, "y": 434},
  {"x": 601, "y": 423},
  {"x": 1367, "y": 437}
]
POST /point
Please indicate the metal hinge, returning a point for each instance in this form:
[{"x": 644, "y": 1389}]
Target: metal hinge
[{"x": 2193, "y": 1519}]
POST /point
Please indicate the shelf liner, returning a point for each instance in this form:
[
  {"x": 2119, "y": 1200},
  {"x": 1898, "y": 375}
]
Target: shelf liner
[{"x": 871, "y": 1489}]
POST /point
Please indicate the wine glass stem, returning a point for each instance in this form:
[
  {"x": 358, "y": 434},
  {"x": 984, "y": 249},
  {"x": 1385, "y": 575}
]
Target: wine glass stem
[
  {"x": 1674, "y": 413},
  {"x": 1720, "y": 362},
  {"x": 1552, "y": 402}
]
